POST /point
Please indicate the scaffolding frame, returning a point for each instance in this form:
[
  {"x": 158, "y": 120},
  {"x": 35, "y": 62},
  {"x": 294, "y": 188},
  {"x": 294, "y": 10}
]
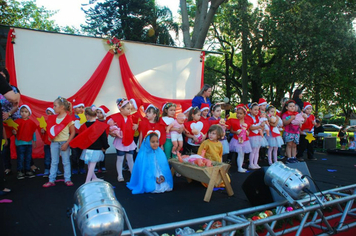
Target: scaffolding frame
[{"x": 311, "y": 207}]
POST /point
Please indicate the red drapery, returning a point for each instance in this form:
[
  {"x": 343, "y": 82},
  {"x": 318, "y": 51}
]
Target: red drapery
[
  {"x": 134, "y": 89},
  {"x": 88, "y": 92}
]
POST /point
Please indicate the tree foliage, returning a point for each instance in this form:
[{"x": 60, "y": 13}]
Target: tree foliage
[{"x": 137, "y": 20}]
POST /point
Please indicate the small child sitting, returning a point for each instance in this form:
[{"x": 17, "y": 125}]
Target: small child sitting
[{"x": 352, "y": 143}]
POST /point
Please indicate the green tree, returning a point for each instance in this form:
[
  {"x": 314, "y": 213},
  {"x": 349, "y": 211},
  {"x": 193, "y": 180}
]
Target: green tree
[
  {"x": 137, "y": 20},
  {"x": 27, "y": 15}
]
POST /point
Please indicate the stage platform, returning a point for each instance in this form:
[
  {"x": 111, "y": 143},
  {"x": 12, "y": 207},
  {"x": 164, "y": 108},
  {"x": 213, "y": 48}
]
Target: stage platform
[{"x": 43, "y": 211}]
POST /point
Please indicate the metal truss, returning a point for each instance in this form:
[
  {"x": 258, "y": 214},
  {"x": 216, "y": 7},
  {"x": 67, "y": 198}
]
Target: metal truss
[{"x": 308, "y": 210}]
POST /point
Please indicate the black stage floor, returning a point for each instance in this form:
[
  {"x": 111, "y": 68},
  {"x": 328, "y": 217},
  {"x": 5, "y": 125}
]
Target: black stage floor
[{"x": 42, "y": 211}]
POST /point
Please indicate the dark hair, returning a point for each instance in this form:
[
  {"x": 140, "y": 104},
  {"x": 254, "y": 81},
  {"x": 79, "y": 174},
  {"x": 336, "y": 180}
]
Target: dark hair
[
  {"x": 218, "y": 129},
  {"x": 89, "y": 112},
  {"x": 153, "y": 134},
  {"x": 286, "y": 104},
  {"x": 192, "y": 112},
  {"x": 215, "y": 106},
  {"x": 351, "y": 138},
  {"x": 296, "y": 94},
  {"x": 270, "y": 107},
  {"x": 203, "y": 89},
  {"x": 67, "y": 105},
  {"x": 6, "y": 73},
  {"x": 252, "y": 105},
  {"x": 166, "y": 107},
  {"x": 154, "y": 110}
]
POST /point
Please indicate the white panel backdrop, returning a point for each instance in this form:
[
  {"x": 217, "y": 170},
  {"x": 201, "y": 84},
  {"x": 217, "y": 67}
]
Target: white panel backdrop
[{"x": 49, "y": 65}]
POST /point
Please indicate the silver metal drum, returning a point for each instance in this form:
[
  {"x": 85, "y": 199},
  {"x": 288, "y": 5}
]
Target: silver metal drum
[
  {"x": 96, "y": 210},
  {"x": 288, "y": 178}
]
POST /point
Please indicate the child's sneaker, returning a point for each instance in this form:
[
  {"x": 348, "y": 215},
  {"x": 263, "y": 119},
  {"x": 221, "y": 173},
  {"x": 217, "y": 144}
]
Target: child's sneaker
[
  {"x": 20, "y": 175},
  {"x": 82, "y": 171},
  {"x": 59, "y": 173},
  {"x": 96, "y": 170},
  {"x": 46, "y": 173},
  {"x": 292, "y": 160},
  {"x": 30, "y": 174},
  {"x": 103, "y": 169},
  {"x": 74, "y": 172}
]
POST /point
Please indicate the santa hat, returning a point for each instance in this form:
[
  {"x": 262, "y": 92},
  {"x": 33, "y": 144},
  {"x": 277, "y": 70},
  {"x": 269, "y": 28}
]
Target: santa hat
[
  {"x": 204, "y": 106},
  {"x": 28, "y": 108},
  {"x": 51, "y": 110},
  {"x": 241, "y": 106},
  {"x": 103, "y": 109},
  {"x": 186, "y": 107},
  {"x": 262, "y": 101},
  {"x": 77, "y": 102},
  {"x": 306, "y": 105},
  {"x": 148, "y": 105},
  {"x": 121, "y": 102},
  {"x": 136, "y": 102}
]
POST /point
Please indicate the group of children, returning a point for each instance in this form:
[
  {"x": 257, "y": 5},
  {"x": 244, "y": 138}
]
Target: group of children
[{"x": 157, "y": 133}]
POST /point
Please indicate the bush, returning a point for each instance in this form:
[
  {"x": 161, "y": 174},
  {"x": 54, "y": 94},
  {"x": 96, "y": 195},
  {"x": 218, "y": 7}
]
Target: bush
[{"x": 337, "y": 120}]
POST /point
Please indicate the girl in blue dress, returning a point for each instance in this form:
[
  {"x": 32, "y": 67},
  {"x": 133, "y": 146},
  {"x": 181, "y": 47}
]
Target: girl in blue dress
[{"x": 151, "y": 173}]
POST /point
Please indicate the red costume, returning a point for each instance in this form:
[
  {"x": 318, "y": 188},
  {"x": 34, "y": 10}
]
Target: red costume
[
  {"x": 235, "y": 125},
  {"x": 87, "y": 136},
  {"x": 146, "y": 127},
  {"x": 53, "y": 129},
  {"x": 25, "y": 130},
  {"x": 126, "y": 127}
]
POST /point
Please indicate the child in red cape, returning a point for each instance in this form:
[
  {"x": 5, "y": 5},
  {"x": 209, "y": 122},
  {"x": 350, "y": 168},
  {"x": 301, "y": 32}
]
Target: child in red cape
[
  {"x": 60, "y": 129},
  {"x": 92, "y": 139},
  {"x": 124, "y": 144}
]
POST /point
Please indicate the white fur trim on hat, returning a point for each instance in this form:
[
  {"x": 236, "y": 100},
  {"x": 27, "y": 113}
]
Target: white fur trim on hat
[
  {"x": 133, "y": 101},
  {"x": 50, "y": 109},
  {"x": 28, "y": 108},
  {"x": 151, "y": 105},
  {"x": 190, "y": 108},
  {"x": 204, "y": 108},
  {"x": 79, "y": 105},
  {"x": 304, "y": 108}
]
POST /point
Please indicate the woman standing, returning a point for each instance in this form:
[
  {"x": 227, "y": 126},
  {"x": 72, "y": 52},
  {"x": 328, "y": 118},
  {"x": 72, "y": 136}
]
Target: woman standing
[
  {"x": 202, "y": 96},
  {"x": 297, "y": 97}
]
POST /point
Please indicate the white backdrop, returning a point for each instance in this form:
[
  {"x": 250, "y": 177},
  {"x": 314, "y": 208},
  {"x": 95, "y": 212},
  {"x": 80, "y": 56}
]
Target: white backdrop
[{"x": 49, "y": 65}]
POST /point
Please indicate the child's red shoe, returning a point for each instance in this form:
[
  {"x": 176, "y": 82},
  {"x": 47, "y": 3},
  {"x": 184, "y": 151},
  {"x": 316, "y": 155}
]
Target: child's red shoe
[
  {"x": 69, "y": 183},
  {"x": 48, "y": 184}
]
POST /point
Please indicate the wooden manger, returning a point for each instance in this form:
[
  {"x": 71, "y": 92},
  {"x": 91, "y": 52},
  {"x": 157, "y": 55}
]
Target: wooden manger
[{"x": 213, "y": 176}]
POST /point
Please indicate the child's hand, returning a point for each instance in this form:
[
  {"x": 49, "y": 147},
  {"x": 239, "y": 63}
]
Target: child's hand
[
  {"x": 42, "y": 131},
  {"x": 14, "y": 132},
  {"x": 196, "y": 140},
  {"x": 135, "y": 126},
  {"x": 34, "y": 144},
  {"x": 180, "y": 130},
  {"x": 64, "y": 146},
  {"x": 292, "y": 117},
  {"x": 6, "y": 142},
  {"x": 238, "y": 131}
]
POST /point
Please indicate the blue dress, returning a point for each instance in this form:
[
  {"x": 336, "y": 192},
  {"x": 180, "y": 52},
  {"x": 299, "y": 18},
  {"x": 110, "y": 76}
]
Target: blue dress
[{"x": 149, "y": 165}]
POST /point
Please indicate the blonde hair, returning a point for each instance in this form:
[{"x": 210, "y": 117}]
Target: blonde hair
[{"x": 67, "y": 105}]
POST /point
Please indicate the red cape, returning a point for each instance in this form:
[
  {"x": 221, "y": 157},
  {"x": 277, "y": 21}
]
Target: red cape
[
  {"x": 252, "y": 134},
  {"x": 87, "y": 136},
  {"x": 25, "y": 129},
  {"x": 145, "y": 127},
  {"x": 201, "y": 126},
  {"x": 308, "y": 124},
  {"x": 126, "y": 127},
  {"x": 53, "y": 129},
  {"x": 136, "y": 117},
  {"x": 235, "y": 124}
]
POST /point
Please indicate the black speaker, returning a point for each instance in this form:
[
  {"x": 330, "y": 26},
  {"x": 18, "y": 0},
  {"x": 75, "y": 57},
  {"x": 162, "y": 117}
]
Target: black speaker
[{"x": 258, "y": 193}]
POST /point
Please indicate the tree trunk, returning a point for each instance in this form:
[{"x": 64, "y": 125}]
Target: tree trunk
[
  {"x": 244, "y": 52},
  {"x": 185, "y": 23}
]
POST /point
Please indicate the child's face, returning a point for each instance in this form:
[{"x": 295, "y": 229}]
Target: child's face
[
  {"x": 217, "y": 112},
  {"x": 100, "y": 114},
  {"x": 308, "y": 110},
  {"x": 196, "y": 117},
  {"x": 254, "y": 110},
  {"x": 205, "y": 113},
  {"x": 213, "y": 136},
  {"x": 126, "y": 110},
  {"x": 171, "y": 111},
  {"x": 25, "y": 113},
  {"x": 57, "y": 108},
  {"x": 240, "y": 114},
  {"x": 49, "y": 113},
  {"x": 263, "y": 107},
  {"x": 150, "y": 115},
  {"x": 79, "y": 110},
  {"x": 272, "y": 111},
  {"x": 154, "y": 142},
  {"x": 290, "y": 107}
]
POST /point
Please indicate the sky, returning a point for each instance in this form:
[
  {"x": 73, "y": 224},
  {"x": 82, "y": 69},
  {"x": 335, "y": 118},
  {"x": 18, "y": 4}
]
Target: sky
[{"x": 70, "y": 13}]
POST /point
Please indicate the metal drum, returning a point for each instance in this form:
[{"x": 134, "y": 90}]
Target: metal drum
[
  {"x": 288, "y": 178},
  {"x": 96, "y": 210}
]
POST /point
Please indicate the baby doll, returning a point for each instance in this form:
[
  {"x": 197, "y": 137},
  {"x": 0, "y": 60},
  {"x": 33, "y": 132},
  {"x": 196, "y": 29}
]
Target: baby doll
[
  {"x": 242, "y": 135},
  {"x": 263, "y": 119},
  {"x": 198, "y": 135},
  {"x": 176, "y": 138},
  {"x": 299, "y": 119},
  {"x": 223, "y": 124},
  {"x": 116, "y": 131},
  {"x": 194, "y": 160}
]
